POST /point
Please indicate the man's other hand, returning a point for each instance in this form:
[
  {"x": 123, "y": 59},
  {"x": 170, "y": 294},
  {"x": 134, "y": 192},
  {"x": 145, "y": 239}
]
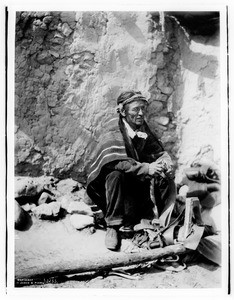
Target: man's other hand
[{"x": 155, "y": 167}]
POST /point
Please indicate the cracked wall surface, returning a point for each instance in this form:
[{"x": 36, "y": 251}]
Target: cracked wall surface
[{"x": 71, "y": 66}]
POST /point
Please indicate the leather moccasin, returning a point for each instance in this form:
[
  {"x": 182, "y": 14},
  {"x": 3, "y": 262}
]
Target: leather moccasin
[{"x": 112, "y": 239}]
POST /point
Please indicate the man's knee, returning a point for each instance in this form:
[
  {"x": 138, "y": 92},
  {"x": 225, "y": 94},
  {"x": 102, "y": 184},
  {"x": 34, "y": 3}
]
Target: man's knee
[{"x": 114, "y": 178}]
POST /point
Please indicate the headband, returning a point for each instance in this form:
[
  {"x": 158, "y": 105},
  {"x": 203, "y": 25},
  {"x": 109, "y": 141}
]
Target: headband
[{"x": 135, "y": 97}]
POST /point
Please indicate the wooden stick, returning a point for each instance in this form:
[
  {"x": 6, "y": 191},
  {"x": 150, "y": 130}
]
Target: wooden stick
[
  {"x": 188, "y": 217},
  {"x": 152, "y": 197},
  {"x": 74, "y": 265}
]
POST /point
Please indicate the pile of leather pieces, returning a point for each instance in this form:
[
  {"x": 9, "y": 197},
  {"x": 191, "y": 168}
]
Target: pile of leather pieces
[{"x": 199, "y": 190}]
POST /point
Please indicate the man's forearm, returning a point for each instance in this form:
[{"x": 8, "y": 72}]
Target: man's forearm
[{"x": 131, "y": 167}]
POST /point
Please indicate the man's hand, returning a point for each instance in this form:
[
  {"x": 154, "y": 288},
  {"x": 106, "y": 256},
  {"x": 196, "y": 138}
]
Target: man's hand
[
  {"x": 155, "y": 167},
  {"x": 163, "y": 166}
]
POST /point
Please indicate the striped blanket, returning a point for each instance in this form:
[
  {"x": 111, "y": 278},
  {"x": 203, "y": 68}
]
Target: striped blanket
[{"x": 110, "y": 148}]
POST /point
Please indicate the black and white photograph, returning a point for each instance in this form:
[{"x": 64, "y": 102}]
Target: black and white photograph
[{"x": 117, "y": 148}]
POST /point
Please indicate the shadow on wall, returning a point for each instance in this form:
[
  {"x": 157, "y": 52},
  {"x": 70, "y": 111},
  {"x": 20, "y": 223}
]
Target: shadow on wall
[
  {"x": 202, "y": 28},
  {"x": 204, "y": 65},
  {"x": 129, "y": 24},
  {"x": 198, "y": 23}
]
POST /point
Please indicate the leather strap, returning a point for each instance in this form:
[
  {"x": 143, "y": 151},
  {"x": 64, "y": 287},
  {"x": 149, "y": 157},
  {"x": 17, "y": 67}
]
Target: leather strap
[{"x": 169, "y": 235}]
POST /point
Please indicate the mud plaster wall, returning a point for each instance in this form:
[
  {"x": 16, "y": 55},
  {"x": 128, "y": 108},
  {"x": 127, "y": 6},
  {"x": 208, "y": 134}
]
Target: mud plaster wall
[
  {"x": 197, "y": 100},
  {"x": 71, "y": 66}
]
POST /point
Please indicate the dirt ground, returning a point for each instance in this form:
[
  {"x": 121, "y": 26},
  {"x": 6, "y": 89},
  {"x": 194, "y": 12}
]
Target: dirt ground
[
  {"x": 54, "y": 243},
  {"x": 200, "y": 275}
]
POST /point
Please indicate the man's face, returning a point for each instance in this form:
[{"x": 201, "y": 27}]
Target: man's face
[{"x": 134, "y": 113}]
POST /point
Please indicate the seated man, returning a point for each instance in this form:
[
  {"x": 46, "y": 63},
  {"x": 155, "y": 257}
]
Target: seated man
[{"x": 126, "y": 156}]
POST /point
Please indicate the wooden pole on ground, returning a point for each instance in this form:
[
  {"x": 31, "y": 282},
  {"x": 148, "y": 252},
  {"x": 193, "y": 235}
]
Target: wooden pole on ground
[{"x": 75, "y": 265}]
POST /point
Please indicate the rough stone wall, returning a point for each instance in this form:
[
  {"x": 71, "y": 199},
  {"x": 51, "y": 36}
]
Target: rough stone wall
[
  {"x": 71, "y": 66},
  {"x": 166, "y": 57}
]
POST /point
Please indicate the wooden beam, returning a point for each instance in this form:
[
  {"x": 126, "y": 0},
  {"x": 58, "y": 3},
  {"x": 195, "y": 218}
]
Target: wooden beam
[{"x": 74, "y": 265}]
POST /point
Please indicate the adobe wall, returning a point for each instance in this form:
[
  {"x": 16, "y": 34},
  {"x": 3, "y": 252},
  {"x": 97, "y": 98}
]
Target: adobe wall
[{"x": 71, "y": 66}]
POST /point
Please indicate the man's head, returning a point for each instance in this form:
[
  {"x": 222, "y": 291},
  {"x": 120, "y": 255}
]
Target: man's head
[{"x": 132, "y": 107}]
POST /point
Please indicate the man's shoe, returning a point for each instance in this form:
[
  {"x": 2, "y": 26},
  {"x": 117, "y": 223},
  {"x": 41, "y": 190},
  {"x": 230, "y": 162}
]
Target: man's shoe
[
  {"x": 127, "y": 229},
  {"x": 127, "y": 232},
  {"x": 112, "y": 240}
]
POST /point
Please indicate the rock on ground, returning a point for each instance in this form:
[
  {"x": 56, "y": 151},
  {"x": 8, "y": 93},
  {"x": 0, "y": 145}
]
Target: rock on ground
[
  {"x": 81, "y": 221},
  {"x": 47, "y": 211},
  {"x": 22, "y": 218},
  {"x": 79, "y": 208},
  {"x": 66, "y": 186}
]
